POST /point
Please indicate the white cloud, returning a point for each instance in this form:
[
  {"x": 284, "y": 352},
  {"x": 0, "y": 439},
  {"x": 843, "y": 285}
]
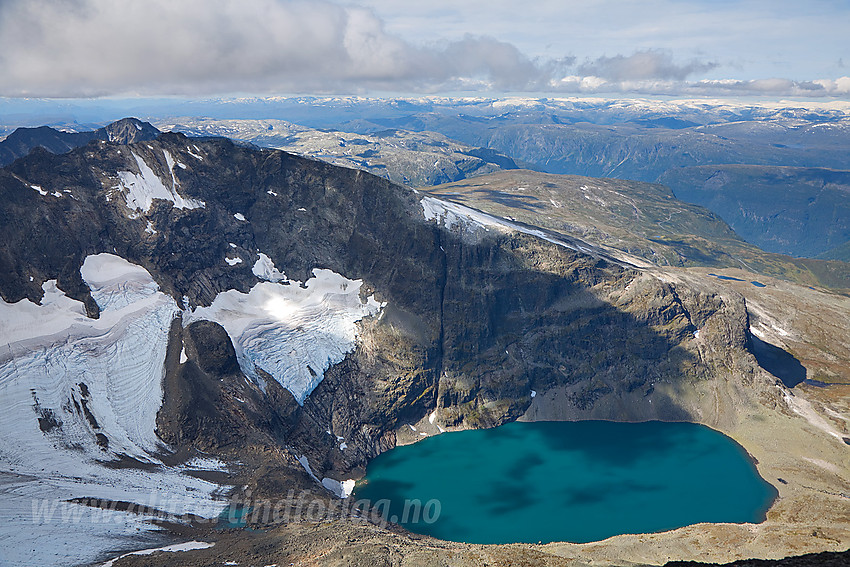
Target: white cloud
[
  {"x": 83, "y": 48},
  {"x": 836, "y": 87},
  {"x": 96, "y": 47},
  {"x": 760, "y": 37},
  {"x": 643, "y": 65}
]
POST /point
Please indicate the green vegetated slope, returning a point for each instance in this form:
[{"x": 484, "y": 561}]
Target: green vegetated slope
[
  {"x": 799, "y": 211},
  {"x": 642, "y": 219},
  {"x": 841, "y": 253}
]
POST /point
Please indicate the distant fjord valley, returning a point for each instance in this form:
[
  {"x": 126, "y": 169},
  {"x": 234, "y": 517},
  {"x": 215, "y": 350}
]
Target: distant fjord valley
[{"x": 426, "y": 331}]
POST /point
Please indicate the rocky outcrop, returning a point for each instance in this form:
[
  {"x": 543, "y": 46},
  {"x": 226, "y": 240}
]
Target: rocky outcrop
[
  {"x": 477, "y": 315},
  {"x": 23, "y": 140},
  {"x": 475, "y": 319},
  {"x": 788, "y": 210}
]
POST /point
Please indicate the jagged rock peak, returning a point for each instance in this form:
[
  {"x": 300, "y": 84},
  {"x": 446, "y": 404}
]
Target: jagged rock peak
[
  {"x": 23, "y": 140},
  {"x": 130, "y": 130}
]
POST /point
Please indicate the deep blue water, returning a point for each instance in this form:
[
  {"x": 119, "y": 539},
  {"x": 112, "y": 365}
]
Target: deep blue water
[{"x": 568, "y": 481}]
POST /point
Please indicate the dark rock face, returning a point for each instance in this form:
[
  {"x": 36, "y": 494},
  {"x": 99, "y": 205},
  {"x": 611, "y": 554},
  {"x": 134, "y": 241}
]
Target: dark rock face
[
  {"x": 127, "y": 131},
  {"x": 208, "y": 403},
  {"x": 825, "y": 559},
  {"x": 20, "y": 142},
  {"x": 212, "y": 349},
  {"x": 474, "y": 321}
]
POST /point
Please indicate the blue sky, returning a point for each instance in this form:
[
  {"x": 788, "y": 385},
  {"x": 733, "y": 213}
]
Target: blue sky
[
  {"x": 749, "y": 39},
  {"x": 85, "y": 48}
]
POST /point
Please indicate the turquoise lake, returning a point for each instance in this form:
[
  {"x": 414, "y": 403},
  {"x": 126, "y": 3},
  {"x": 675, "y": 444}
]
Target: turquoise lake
[{"x": 567, "y": 481}]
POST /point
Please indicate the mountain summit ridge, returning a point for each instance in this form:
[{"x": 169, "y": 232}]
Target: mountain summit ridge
[
  {"x": 468, "y": 316},
  {"x": 23, "y": 140}
]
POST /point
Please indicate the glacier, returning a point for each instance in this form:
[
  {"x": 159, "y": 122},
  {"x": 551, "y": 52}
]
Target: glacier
[
  {"x": 80, "y": 393},
  {"x": 290, "y": 330},
  {"x": 459, "y": 217}
]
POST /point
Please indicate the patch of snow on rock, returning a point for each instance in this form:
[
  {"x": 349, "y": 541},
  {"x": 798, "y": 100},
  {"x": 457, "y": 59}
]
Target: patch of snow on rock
[
  {"x": 264, "y": 269},
  {"x": 188, "y": 546},
  {"x": 207, "y": 464},
  {"x": 143, "y": 187},
  {"x": 341, "y": 489},
  {"x": 306, "y": 464}
]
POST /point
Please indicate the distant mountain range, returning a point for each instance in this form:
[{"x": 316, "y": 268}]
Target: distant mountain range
[
  {"x": 20, "y": 142},
  {"x": 795, "y": 204},
  {"x": 800, "y": 211},
  {"x": 776, "y": 193},
  {"x": 792, "y": 210},
  {"x": 412, "y": 158}
]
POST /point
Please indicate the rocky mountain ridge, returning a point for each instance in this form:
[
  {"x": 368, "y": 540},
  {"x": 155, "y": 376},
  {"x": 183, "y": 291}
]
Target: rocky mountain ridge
[
  {"x": 21, "y": 142},
  {"x": 799, "y": 211},
  {"x": 415, "y": 142},
  {"x": 646, "y": 220},
  {"x": 410, "y": 158},
  {"x": 475, "y": 311}
]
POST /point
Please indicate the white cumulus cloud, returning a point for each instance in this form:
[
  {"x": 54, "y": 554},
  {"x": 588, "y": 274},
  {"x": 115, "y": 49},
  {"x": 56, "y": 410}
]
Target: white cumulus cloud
[
  {"x": 643, "y": 65},
  {"x": 86, "y": 48},
  {"x": 98, "y": 47}
]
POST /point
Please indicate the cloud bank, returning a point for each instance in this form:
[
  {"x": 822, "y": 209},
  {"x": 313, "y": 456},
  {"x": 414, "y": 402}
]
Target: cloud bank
[
  {"x": 643, "y": 65},
  {"x": 98, "y": 47},
  {"x": 85, "y": 48}
]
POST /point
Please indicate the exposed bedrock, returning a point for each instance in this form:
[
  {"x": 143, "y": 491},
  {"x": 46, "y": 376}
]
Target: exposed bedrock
[{"x": 475, "y": 315}]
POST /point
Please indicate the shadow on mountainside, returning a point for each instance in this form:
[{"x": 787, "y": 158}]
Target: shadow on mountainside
[
  {"x": 778, "y": 362},
  {"x": 476, "y": 321}
]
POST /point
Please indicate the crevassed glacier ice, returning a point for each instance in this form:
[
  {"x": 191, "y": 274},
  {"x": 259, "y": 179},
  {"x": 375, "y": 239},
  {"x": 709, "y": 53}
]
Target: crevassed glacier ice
[
  {"x": 293, "y": 332},
  {"x": 78, "y": 392}
]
